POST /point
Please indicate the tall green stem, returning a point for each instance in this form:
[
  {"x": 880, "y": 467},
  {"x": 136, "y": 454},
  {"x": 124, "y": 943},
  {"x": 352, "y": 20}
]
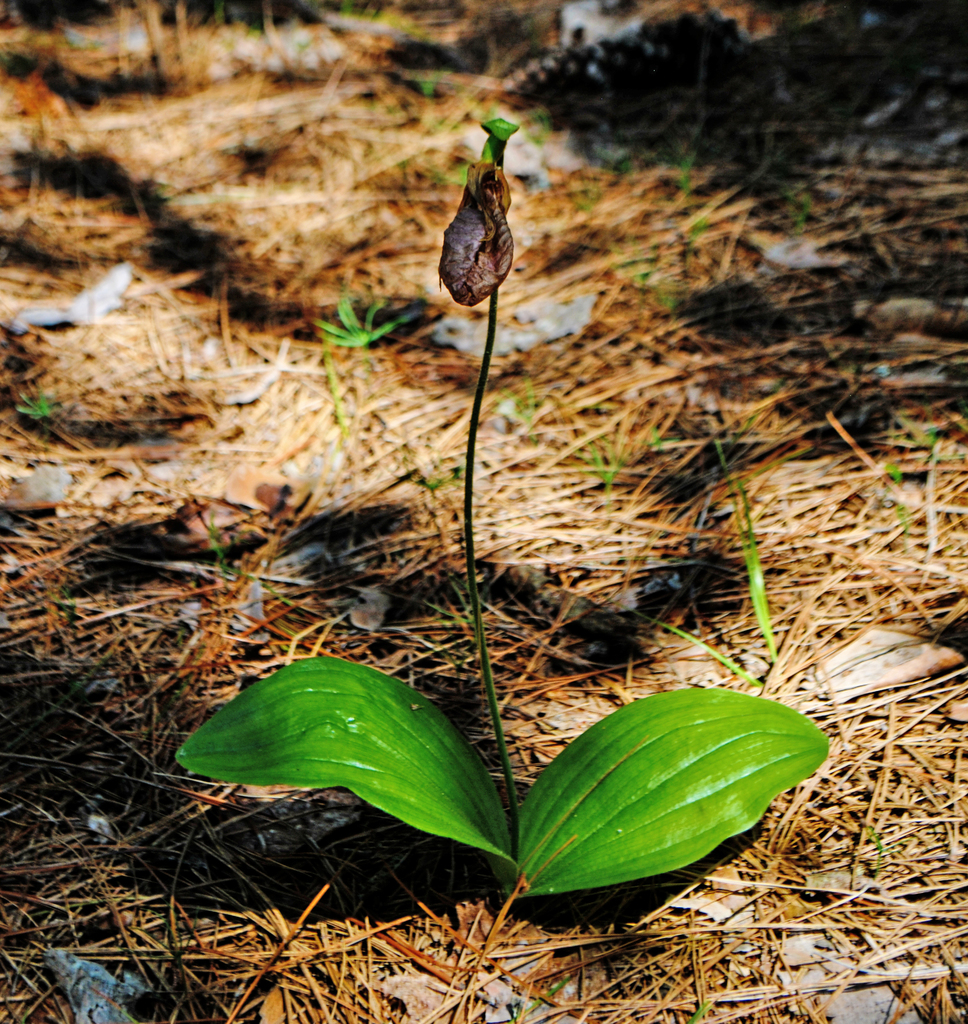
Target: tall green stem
[{"x": 479, "y": 637}]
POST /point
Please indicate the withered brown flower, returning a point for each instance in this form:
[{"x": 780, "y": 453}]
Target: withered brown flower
[{"x": 478, "y": 248}]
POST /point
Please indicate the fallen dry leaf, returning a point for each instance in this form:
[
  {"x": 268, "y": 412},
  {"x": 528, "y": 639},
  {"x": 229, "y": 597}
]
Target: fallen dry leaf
[
  {"x": 838, "y": 881},
  {"x": 876, "y": 1005},
  {"x": 883, "y": 657},
  {"x": 44, "y": 488},
  {"x": 255, "y": 392},
  {"x": 691, "y": 664},
  {"x": 273, "y": 1009},
  {"x": 264, "y": 488},
  {"x": 720, "y": 907},
  {"x": 110, "y": 490},
  {"x": 90, "y": 306},
  {"x": 727, "y": 879},
  {"x": 800, "y": 949},
  {"x": 474, "y": 922},
  {"x": 96, "y": 997},
  {"x": 370, "y": 610},
  {"x": 801, "y": 254},
  {"x": 504, "y": 1004},
  {"x": 916, "y": 315},
  {"x": 813, "y": 951},
  {"x": 419, "y": 993},
  {"x": 36, "y": 98},
  {"x": 101, "y": 826},
  {"x": 203, "y": 527}
]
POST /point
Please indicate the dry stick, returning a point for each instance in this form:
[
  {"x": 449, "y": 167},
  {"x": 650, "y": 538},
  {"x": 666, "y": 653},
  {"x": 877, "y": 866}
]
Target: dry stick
[
  {"x": 864, "y": 457},
  {"x": 152, "y": 19},
  {"x": 502, "y": 917},
  {"x": 181, "y": 31},
  {"x": 278, "y": 953},
  {"x": 486, "y": 674}
]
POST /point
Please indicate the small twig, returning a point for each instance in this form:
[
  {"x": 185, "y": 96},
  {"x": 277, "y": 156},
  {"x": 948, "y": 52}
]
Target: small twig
[
  {"x": 930, "y": 508},
  {"x": 152, "y": 18},
  {"x": 865, "y": 458}
]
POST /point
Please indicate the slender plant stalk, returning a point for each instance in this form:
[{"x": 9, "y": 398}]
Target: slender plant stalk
[
  {"x": 479, "y": 637},
  {"x": 751, "y": 555},
  {"x": 333, "y": 380},
  {"x": 723, "y": 660}
]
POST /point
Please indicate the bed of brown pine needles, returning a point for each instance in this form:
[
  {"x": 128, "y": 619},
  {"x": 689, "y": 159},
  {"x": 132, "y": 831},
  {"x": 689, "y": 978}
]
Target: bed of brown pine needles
[{"x": 247, "y": 206}]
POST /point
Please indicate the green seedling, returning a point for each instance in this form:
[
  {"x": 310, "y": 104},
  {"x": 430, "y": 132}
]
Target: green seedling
[
  {"x": 427, "y": 84},
  {"x": 332, "y": 379},
  {"x": 606, "y": 462},
  {"x": 641, "y": 276},
  {"x": 650, "y": 788},
  {"x": 700, "y": 1013},
  {"x": 41, "y": 409},
  {"x": 698, "y": 230},
  {"x": 353, "y": 334},
  {"x": 520, "y": 410},
  {"x": 799, "y": 204},
  {"x": 881, "y": 850},
  {"x": 67, "y": 605},
  {"x": 657, "y": 442},
  {"x": 902, "y": 511},
  {"x": 587, "y": 196},
  {"x": 434, "y": 483},
  {"x": 218, "y": 548},
  {"x": 667, "y": 297},
  {"x": 751, "y": 555}
]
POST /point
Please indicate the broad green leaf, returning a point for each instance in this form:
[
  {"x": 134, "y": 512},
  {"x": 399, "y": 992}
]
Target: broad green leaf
[
  {"x": 660, "y": 783},
  {"x": 327, "y": 722}
]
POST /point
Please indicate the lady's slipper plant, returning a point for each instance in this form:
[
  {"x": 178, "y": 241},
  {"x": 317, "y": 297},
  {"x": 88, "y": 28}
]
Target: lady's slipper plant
[{"x": 650, "y": 788}]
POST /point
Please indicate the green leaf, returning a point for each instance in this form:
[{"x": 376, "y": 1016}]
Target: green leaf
[
  {"x": 500, "y": 128},
  {"x": 660, "y": 783},
  {"x": 344, "y": 309},
  {"x": 751, "y": 555},
  {"x": 498, "y": 133},
  {"x": 327, "y": 722},
  {"x": 387, "y": 327}
]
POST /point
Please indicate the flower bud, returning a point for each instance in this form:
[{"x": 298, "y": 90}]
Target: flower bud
[{"x": 478, "y": 248}]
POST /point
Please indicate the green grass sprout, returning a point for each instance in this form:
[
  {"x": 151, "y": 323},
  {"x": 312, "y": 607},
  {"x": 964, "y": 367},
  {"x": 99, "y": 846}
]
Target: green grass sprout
[
  {"x": 881, "y": 850},
  {"x": 353, "y": 334},
  {"x": 723, "y": 659},
  {"x": 700, "y": 1013},
  {"x": 40, "y": 409},
  {"x": 751, "y": 555},
  {"x": 605, "y": 463}
]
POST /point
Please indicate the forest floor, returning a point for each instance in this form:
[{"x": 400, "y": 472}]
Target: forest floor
[{"x": 194, "y": 490}]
